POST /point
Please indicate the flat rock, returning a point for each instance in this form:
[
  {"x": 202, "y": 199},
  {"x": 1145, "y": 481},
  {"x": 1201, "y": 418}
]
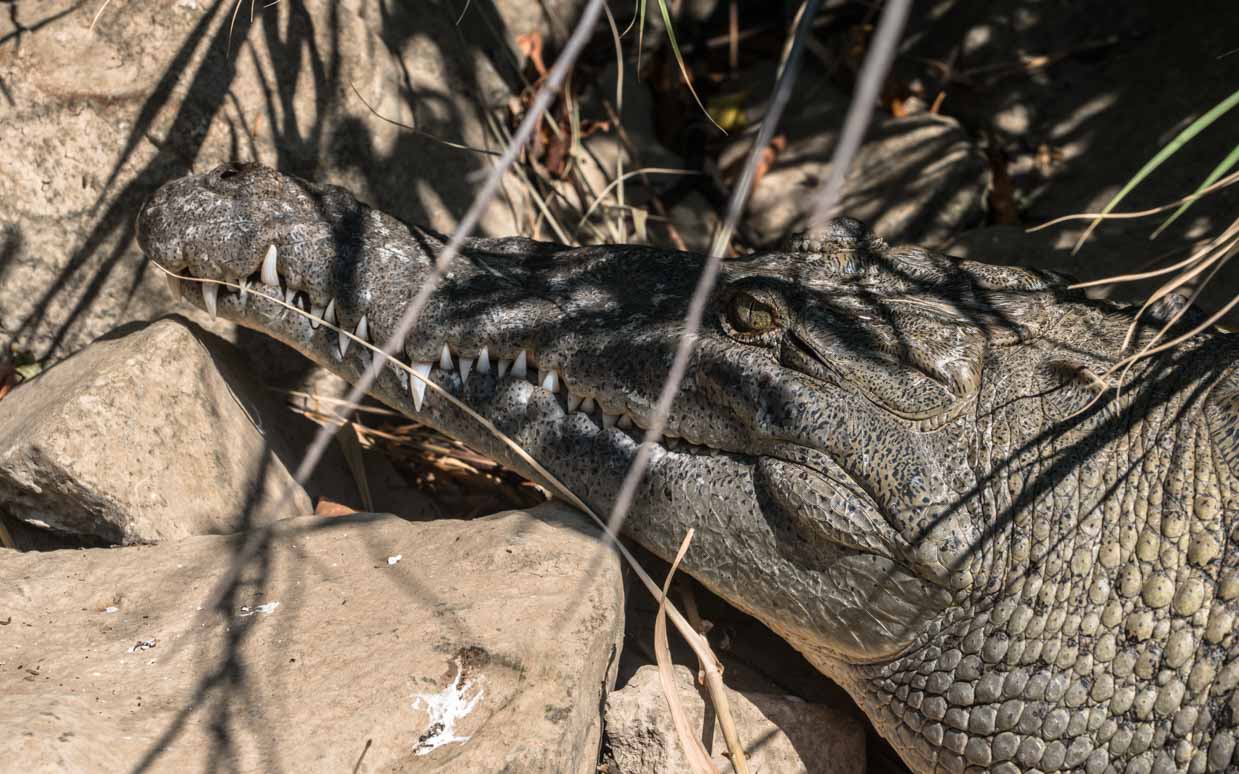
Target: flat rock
[
  {"x": 779, "y": 733},
  {"x": 103, "y": 116},
  {"x": 153, "y": 433},
  {"x": 487, "y": 646}
]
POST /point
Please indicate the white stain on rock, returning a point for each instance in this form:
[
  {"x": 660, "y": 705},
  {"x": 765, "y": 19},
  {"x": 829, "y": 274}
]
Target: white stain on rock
[
  {"x": 266, "y": 609},
  {"x": 444, "y": 709}
]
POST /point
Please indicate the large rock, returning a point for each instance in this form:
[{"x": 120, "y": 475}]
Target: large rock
[
  {"x": 94, "y": 121},
  {"x": 307, "y": 646},
  {"x": 779, "y": 733},
  {"x": 154, "y": 435}
]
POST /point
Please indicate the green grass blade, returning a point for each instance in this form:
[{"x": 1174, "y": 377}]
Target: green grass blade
[
  {"x": 679, "y": 58},
  {"x": 640, "y": 35},
  {"x": 1231, "y": 159},
  {"x": 1183, "y": 138}
]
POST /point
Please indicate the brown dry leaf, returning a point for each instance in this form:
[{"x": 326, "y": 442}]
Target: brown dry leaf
[
  {"x": 530, "y": 44},
  {"x": 326, "y": 507},
  {"x": 769, "y": 155},
  {"x": 8, "y": 377}
]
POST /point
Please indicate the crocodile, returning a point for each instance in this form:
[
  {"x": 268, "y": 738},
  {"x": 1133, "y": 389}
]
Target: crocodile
[{"x": 903, "y": 463}]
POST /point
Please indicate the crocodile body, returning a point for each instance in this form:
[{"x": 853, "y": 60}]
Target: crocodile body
[{"x": 891, "y": 457}]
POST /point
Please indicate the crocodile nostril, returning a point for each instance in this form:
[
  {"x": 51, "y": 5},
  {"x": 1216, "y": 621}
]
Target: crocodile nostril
[{"x": 229, "y": 171}]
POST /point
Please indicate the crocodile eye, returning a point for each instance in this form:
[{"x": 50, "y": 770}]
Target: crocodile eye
[{"x": 749, "y": 315}]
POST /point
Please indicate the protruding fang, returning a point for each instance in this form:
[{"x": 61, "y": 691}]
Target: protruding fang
[
  {"x": 173, "y": 284},
  {"x": 329, "y": 315},
  {"x": 588, "y": 406},
  {"x": 504, "y": 365},
  {"x": 290, "y": 297},
  {"x": 520, "y": 368},
  {"x": 270, "y": 271},
  {"x": 624, "y": 422},
  {"x": 417, "y": 387},
  {"x": 484, "y": 361},
  {"x": 245, "y": 292},
  {"x": 210, "y": 292},
  {"x": 574, "y": 403},
  {"x": 445, "y": 358},
  {"x": 550, "y": 381},
  {"x": 608, "y": 420},
  {"x": 466, "y": 365},
  {"x": 363, "y": 329},
  {"x": 343, "y": 341},
  {"x": 317, "y": 319}
]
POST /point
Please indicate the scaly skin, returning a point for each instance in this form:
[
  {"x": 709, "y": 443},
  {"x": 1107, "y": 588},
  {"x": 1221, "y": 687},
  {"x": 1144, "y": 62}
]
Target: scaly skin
[{"x": 891, "y": 463}]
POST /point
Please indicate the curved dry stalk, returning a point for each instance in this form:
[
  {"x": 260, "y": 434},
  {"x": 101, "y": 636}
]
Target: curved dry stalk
[
  {"x": 1229, "y": 180},
  {"x": 99, "y": 13},
  {"x": 415, "y": 130},
  {"x": 694, "y": 751}
]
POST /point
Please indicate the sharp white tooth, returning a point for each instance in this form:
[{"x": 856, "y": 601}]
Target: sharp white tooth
[
  {"x": 519, "y": 368},
  {"x": 466, "y": 365},
  {"x": 210, "y": 292},
  {"x": 317, "y": 319},
  {"x": 363, "y": 332},
  {"x": 245, "y": 292},
  {"x": 608, "y": 420},
  {"x": 588, "y": 405},
  {"x": 173, "y": 284},
  {"x": 416, "y": 386},
  {"x": 270, "y": 271},
  {"x": 343, "y": 341},
  {"x": 624, "y": 422},
  {"x": 445, "y": 358},
  {"x": 290, "y": 297},
  {"x": 329, "y": 315},
  {"x": 574, "y": 403},
  {"x": 504, "y": 365},
  {"x": 550, "y": 381},
  {"x": 484, "y": 361}
]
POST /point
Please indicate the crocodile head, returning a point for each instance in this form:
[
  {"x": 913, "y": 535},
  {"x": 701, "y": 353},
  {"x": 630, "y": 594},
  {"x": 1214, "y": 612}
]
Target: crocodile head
[{"x": 873, "y": 444}]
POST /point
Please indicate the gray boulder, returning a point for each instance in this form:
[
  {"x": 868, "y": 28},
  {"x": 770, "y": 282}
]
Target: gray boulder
[{"x": 356, "y": 643}]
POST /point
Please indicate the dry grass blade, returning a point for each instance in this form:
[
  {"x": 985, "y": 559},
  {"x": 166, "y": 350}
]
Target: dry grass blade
[
  {"x": 99, "y": 13},
  {"x": 350, "y": 445},
  {"x": 415, "y": 130},
  {"x": 1229, "y": 180},
  {"x": 698, "y": 759}
]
